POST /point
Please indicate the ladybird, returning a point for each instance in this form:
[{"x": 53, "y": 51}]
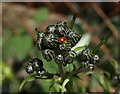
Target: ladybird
[{"x": 62, "y": 39}]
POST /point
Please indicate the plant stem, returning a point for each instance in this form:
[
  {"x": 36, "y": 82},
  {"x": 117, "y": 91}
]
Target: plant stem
[
  {"x": 101, "y": 43},
  {"x": 73, "y": 21},
  {"x": 69, "y": 86},
  {"x": 61, "y": 70}
]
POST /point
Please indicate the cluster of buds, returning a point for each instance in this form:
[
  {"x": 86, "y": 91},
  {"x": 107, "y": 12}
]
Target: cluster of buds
[
  {"x": 88, "y": 59},
  {"x": 35, "y": 65},
  {"x": 56, "y": 43}
]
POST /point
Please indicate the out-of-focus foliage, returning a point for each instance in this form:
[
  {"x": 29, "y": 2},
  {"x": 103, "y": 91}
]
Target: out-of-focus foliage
[
  {"x": 18, "y": 46},
  {"x": 41, "y": 14}
]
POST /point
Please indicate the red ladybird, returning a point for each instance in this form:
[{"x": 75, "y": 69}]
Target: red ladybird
[{"x": 62, "y": 39}]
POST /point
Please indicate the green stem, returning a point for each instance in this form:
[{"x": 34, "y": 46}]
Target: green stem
[
  {"x": 101, "y": 43},
  {"x": 69, "y": 86},
  {"x": 61, "y": 70},
  {"x": 73, "y": 21}
]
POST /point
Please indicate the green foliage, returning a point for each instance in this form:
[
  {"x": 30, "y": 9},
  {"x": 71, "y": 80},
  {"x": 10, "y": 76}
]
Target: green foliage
[
  {"x": 26, "y": 80},
  {"x": 41, "y": 14},
  {"x": 50, "y": 66},
  {"x": 17, "y": 46},
  {"x": 6, "y": 70}
]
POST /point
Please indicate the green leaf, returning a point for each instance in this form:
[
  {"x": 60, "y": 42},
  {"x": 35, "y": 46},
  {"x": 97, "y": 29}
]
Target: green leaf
[
  {"x": 25, "y": 80},
  {"x": 83, "y": 42},
  {"x": 41, "y": 14},
  {"x": 93, "y": 82},
  {"x": 6, "y": 70},
  {"x": 17, "y": 46},
  {"x": 79, "y": 48},
  {"x": 23, "y": 46},
  {"x": 51, "y": 66},
  {"x": 104, "y": 83}
]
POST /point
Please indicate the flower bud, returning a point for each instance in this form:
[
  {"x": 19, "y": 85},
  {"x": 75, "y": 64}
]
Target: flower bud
[
  {"x": 85, "y": 55},
  {"x": 65, "y": 46},
  {"x": 59, "y": 59},
  {"x": 51, "y": 40},
  {"x": 40, "y": 44},
  {"x": 70, "y": 56},
  {"x": 60, "y": 30},
  {"x": 40, "y": 35},
  {"x": 29, "y": 69},
  {"x": 41, "y": 72},
  {"x": 50, "y": 29},
  {"x": 48, "y": 54},
  {"x": 61, "y": 23},
  {"x": 37, "y": 63},
  {"x": 74, "y": 37},
  {"x": 96, "y": 59}
]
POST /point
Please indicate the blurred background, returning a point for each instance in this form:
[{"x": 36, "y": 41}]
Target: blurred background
[{"x": 19, "y": 21}]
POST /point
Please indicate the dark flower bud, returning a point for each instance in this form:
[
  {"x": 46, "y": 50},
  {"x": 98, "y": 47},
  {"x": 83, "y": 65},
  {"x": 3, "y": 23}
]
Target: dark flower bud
[
  {"x": 41, "y": 72},
  {"x": 74, "y": 37},
  {"x": 40, "y": 44},
  {"x": 85, "y": 63},
  {"x": 37, "y": 63},
  {"x": 29, "y": 69},
  {"x": 40, "y": 35},
  {"x": 65, "y": 46},
  {"x": 88, "y": 65},
  {"x": 51, "y": 40},
  {"x": 96, "y": 59},
  {"x": 61, "y": 23},
  {"x": 91, "y": 67},
  {"x": 85, "y": 54},
  {"x": 48, "y": 54},
  {"x": 70, "y": 56},
  {"x": 60, "y": 59},
  {"x": 60, "y": 30},
  {"x": 50, "y": 29}
]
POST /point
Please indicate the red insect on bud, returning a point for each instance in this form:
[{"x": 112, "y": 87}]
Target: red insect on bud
[{"x": 62, "y": 39}]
